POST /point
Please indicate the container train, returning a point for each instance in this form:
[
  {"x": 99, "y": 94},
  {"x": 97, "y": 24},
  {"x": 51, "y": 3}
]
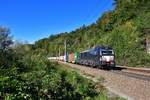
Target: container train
[{"x": 99, "y": 56}]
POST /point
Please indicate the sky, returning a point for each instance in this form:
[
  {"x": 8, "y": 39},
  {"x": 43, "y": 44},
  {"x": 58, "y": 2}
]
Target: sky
[{"x": 31, "y": 20}]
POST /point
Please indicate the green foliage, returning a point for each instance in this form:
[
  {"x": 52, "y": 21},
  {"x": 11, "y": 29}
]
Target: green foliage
[
  {"x": 25, "y": 72},
  {"x": 121, "y": 28},
  {"x": 5, "y": 51},
  {"x": 33, "y": 77},
  {"x": 49, "y": 82},
  {"x": 120, "y": 98}
]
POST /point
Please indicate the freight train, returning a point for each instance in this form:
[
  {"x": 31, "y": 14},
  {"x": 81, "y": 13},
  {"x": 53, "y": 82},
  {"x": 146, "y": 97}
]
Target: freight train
[{"x": 99, "y": 56}]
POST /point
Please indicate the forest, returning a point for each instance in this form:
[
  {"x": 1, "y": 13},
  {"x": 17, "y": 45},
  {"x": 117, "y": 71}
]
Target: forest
[
  {"x": 26, "y": 73},
  {"x": 123, "y": 29}
]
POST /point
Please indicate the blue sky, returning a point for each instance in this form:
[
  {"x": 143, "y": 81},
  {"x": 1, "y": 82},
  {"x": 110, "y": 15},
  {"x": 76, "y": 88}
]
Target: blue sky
[{"x": 35, "y": 19}]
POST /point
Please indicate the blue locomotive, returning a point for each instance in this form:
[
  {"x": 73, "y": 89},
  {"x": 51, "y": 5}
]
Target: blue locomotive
[{"x": 100, "y": 56}]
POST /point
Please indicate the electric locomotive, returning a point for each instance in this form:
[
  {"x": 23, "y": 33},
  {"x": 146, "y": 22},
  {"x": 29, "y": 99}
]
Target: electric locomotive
[{"x": 99, "y": 56}]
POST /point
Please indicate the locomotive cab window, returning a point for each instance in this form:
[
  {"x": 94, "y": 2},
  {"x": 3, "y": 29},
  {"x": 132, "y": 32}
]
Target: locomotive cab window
[{"x": 107, "y": 52}]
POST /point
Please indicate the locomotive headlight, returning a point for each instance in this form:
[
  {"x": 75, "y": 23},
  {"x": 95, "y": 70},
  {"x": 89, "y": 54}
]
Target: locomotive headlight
[
  {"x": 103, "y": 59},
  {"x": 112, "y": 58},
  {"x": 108, "y": 58},
  {"x": 100, "y": 59}
]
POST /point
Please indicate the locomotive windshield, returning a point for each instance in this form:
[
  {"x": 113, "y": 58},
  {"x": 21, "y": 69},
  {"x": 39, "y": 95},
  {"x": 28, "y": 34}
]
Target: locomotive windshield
[{"x": 107, "y": 52}]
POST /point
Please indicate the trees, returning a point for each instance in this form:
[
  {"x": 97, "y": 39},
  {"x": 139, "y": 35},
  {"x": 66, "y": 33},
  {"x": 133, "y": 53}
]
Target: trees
[
  {"x": 5, "y": 43},
  {"x": 34, "y": 77},
  {"x": 120, "y": 28},
  {"x": 5, "y": 39}
]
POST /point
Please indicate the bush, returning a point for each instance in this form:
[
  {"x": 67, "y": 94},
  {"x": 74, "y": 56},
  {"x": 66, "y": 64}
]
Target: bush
[{"x": 44, "y": 80}]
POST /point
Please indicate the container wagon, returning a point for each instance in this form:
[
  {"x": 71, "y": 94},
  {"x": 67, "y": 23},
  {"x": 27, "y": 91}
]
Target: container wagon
[{"x": 73, "y": 57}]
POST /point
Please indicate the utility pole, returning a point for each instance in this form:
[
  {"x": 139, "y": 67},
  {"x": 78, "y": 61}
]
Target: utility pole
[
  {"x": 59, "y": 52},
  {"x": 65, "y": 45}
]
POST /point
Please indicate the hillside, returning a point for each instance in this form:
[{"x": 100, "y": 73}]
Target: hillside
[
  {"x": 26, "y": 73},
  {"x": 122, "y": 29}
]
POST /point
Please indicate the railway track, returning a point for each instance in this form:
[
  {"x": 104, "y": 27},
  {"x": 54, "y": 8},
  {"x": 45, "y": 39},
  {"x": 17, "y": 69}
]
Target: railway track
[
  {"x": 138, "y": 73},
  {"x": 133, "y": 75},
  {"x": 141, "y": 70},
  {"x": 142, "y": 74},
  {"x": 133, "y": 85}
]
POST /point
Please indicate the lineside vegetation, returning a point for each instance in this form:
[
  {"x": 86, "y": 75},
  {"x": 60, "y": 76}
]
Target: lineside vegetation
[{"x": 123, "y": 29}]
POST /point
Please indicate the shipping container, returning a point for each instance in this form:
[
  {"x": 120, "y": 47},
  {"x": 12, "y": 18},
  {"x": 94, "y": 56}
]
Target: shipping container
[
  {"x": 61, "y": 58},
  {"x": 73, "y": 57}
]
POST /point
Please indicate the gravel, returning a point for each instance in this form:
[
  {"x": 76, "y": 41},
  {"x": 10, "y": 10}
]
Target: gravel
[{"x": 124, "y": 86}]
